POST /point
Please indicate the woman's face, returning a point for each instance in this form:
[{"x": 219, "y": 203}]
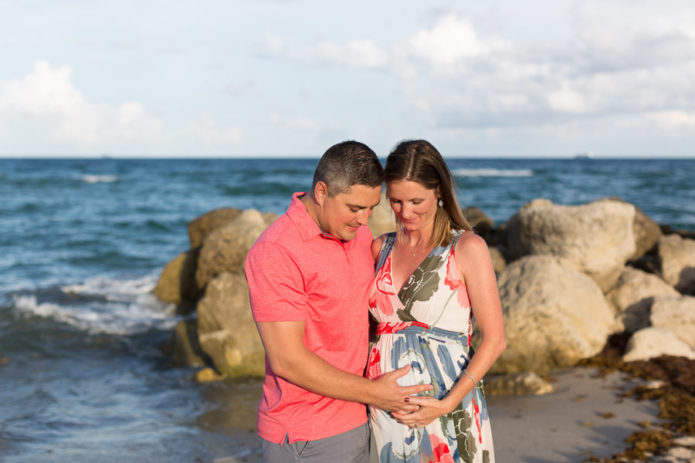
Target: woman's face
[{"x": 414, "y": 205}]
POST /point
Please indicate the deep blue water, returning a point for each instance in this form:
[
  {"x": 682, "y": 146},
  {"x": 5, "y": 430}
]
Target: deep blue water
[{"x": 82, "y": 242}]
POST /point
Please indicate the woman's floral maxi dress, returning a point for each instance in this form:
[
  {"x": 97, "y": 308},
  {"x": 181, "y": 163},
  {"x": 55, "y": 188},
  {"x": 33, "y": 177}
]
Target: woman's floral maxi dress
[{"x": 427, "y": 325}]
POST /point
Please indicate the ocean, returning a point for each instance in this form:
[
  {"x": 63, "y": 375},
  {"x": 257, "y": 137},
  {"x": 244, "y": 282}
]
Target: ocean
[{"x": 82, "y": 241}]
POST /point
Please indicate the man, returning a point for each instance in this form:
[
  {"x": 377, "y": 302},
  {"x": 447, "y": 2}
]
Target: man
[{"x": 308, "y": 276}]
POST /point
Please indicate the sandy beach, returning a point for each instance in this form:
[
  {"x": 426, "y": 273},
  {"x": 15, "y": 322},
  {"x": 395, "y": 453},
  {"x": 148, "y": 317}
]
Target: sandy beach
[{"x": 583, "y": 417}]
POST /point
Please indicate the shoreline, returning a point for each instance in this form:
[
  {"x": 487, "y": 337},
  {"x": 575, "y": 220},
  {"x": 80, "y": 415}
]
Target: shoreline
[{"x": 584, "y": 417}]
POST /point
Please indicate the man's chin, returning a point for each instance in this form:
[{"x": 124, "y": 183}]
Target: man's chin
[{"x": 349, "y": 234}]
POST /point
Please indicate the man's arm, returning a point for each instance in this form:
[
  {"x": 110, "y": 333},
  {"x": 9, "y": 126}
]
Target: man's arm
[
  {"x": 290, "y": 359},
  {"x": 279, "y": 303}
]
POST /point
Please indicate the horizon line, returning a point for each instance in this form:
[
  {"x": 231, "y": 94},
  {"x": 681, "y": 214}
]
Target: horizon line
[{"x": 578, "y": 156}]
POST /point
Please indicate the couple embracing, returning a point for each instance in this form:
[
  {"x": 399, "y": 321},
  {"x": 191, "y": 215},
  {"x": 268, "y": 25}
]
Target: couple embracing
[{"x": 314, "y": 277}]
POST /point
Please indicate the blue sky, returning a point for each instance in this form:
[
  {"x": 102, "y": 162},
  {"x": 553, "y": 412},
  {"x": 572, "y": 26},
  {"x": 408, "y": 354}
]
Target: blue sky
[{"x": 290, "y": 78}]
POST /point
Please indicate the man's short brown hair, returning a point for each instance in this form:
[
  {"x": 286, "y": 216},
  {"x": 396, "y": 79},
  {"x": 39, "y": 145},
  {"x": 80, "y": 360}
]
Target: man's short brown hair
[{"x": 348, "y": 163}]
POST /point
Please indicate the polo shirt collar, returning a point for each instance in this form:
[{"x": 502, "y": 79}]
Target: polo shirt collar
[{"x": 306, "y": 225}]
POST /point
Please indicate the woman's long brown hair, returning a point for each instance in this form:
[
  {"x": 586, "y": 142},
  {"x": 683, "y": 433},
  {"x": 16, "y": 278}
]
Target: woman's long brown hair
[{"x": 419, "y": 161}]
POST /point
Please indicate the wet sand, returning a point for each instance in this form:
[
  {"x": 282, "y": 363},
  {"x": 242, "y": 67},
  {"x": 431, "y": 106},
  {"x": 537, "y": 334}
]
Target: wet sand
[{"x": 583, "y": 417}]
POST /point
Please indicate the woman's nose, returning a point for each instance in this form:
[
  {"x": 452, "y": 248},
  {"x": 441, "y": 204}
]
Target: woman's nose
[{"x": 406, "y": 211}]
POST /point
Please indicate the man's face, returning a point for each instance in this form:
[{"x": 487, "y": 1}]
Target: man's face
[{"x": 341, "y": 215}]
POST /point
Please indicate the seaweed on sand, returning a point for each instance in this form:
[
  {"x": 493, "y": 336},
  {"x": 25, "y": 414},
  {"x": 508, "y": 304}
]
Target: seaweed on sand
[{"x": 675, "y": 391}]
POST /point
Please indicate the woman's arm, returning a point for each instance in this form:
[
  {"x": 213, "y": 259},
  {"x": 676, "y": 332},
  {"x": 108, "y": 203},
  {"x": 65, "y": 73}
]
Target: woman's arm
[{"x": 475, "y": 265}]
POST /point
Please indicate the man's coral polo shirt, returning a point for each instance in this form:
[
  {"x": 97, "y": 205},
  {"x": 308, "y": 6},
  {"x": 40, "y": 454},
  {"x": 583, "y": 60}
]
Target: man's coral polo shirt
[{"x": 297, "y": 272}]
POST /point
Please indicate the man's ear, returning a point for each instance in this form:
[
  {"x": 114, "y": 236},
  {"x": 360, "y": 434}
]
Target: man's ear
[{"x": 320, "y": 192}]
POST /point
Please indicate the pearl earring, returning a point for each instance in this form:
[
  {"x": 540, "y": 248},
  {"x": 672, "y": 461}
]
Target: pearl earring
[{"x": 440, "y": 203}]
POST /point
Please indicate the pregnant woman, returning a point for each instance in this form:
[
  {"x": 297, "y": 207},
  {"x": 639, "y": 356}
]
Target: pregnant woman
[{"x": 434, "y": 280}]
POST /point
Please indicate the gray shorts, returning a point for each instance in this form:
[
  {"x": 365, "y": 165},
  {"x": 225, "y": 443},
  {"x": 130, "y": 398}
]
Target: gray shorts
[{"x": 349, "y": 447}]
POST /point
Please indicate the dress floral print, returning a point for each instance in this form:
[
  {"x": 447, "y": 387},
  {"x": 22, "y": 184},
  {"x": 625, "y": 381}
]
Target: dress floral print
[{"x": 427, "y": 324}]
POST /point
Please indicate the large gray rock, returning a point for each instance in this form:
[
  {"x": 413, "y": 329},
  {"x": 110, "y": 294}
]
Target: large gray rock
[
  {"x": 676, "y": 313},
  {"x": 656, "y": 341},
  {"x": 225, "y": 249},
  {"x": 596, "y": 238},
  {"x": 177, "y": 284},
  {"x": 553, "y": 315},
  {"x": 269, "y": 218},
  {"x": 632, "y": 296},
  {"x": 516, "y": 384},
  {"x": 647, "y": 233},
  {"x": 677, "y": 262},
  {"x": 677, "y": 454},
  {"x": 482, "y": 224},
  {"x": 201, "y": 227},
  {"x": 383, "y": 219},
  {"x": 184, "y": 348},
  {"x": 226, "y": 329},
  {"x": 497, "y": 257}
]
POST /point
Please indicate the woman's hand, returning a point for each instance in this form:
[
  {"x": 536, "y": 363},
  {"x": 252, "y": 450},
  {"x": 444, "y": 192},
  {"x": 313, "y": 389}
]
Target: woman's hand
[{"x": 430, "y": 410}]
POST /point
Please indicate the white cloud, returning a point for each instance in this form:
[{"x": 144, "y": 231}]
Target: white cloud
[
  {"x": 469, "y": 80},
  {"x": 46, "y": 91},
  {"x": 674, "y": 120},
  {"x": 451, "y": 39},
  {"x": 604, "y": 48},
  {"x": 496, "y": 72},
  {"x": 47, "y": 103},
  {"x": 567, "y": 100}
]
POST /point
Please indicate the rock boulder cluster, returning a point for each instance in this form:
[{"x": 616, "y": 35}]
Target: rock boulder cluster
[
  {"x": 207, "y": 282},
  {"x": 568, "y": 276},
  {"x": 573, "y": 277}
]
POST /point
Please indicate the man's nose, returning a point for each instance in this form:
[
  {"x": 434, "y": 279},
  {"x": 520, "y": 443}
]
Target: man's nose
[{"x": 363, "y": 216}]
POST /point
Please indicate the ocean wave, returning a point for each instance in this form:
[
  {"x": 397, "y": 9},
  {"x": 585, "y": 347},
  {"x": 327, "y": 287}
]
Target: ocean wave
[
  {"x": 99, "y": 178},
  {"x": 112, "y": 289},
  {"x": 105, "y": 306},
  {"x": 492, "y": 172}
]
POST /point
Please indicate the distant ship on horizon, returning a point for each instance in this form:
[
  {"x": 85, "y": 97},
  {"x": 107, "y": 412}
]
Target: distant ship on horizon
[{"x": 584, "y": 155}]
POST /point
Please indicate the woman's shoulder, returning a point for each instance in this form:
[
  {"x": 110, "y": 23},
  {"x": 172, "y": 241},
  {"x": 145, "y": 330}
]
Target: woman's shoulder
[
  {"x": 379, "y": 242},
  {"x": 470, "y": 245},
  {"x": 380, "y": 239}
]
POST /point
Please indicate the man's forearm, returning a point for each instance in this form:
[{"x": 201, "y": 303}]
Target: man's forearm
[
  {"x": 311, "y": 372},
  {"x": 290, "y": 359}
]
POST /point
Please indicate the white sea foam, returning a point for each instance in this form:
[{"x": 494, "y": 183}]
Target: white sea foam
[
  {"x": 129, "y": 307},
  {"x": 492, "y": 172},
  {"x": 115, "y": 290},
  {"x": 99, "y": 178}
]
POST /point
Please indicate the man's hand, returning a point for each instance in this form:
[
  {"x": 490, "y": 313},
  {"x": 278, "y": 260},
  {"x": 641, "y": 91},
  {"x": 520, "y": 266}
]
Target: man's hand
[{"x": 390, "y": 396}]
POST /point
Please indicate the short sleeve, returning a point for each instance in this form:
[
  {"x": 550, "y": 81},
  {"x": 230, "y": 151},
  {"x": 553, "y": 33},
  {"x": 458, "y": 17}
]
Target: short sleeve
[{"x": 276, "y": 286}]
